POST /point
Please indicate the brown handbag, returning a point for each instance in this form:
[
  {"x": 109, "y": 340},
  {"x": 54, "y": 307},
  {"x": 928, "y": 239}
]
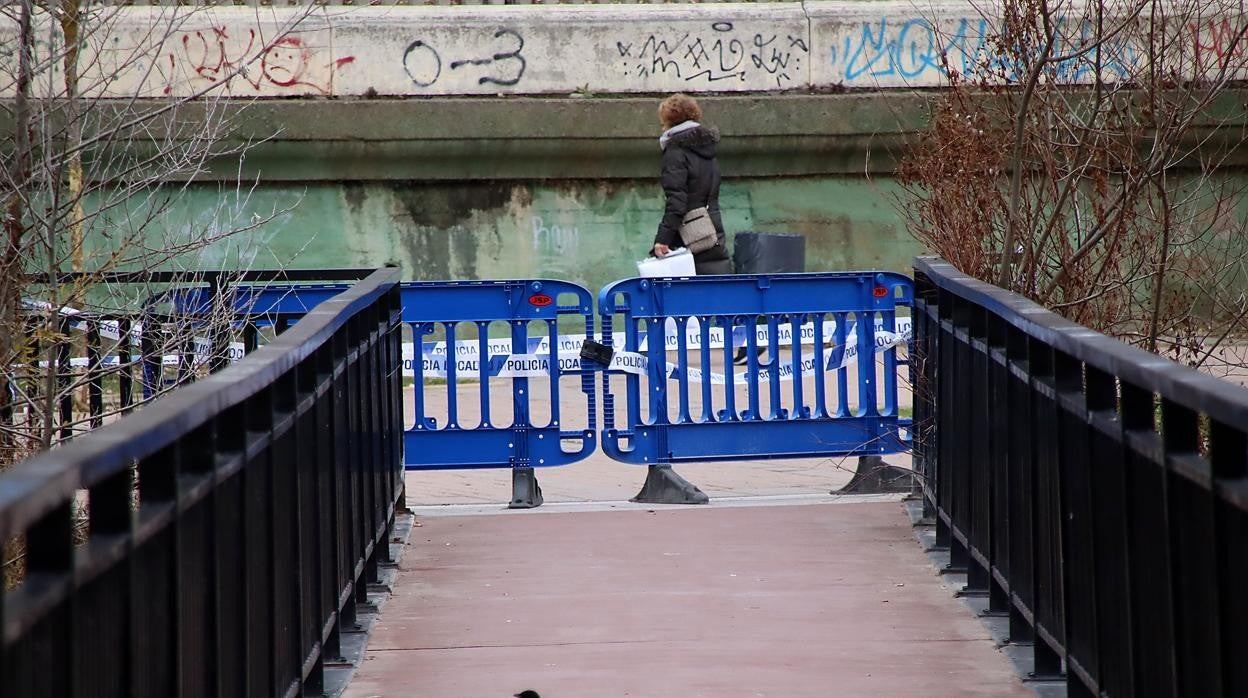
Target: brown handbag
[{"x": 697, "y": 230}]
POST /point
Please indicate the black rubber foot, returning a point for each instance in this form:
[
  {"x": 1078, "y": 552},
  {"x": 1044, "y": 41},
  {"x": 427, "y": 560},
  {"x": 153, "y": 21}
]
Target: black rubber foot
[
  {"x": 874, "y": 476},
  {"x": 664, "y": 486},
  {"x": 525, "y": 492}
]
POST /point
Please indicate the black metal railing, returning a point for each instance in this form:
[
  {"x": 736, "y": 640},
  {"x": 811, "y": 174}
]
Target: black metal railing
[
  {"x": 120, "y": 357},
  {"x": 215, "y": 542},
  {"x": 1097, "y": 493}
]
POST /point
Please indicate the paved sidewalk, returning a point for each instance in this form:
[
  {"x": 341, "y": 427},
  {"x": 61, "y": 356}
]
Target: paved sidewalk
[
  {"x": 829, "y": 599},
  {"x": 600, "y": 479}
]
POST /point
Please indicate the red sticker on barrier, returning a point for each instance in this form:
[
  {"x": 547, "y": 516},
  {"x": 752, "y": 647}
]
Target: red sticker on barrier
[
  {"x": 881, "y": 292},
  {"x": 541, "y": 300}
]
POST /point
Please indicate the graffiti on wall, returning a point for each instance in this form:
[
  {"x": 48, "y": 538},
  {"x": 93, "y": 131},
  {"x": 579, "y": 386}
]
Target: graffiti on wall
[
  {"x": 917, "y": 51},
  {"x": 1218, "y": 45},
  {"x": 718, "y": 53},
  {"x": 554, "y": 240},
  {"x": 612, "y": 53},
  {"x": 496, "y": 61},
  {"x": 242, "y": 56}
]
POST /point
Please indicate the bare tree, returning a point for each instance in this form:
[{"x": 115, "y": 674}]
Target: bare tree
[
  {"x": 103, "y": 131},
  {"x": 1083, "y": 164}
]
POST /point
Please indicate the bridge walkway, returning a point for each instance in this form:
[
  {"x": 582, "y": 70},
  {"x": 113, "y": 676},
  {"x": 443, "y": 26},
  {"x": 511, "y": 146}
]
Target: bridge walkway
[{"x": 819, "y": 597}]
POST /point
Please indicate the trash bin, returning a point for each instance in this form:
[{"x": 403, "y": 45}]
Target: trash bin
[{"x": 755, "y": 252}]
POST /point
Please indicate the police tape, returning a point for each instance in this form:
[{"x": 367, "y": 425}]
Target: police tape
[
  {"x": 571, "y": 343},
  {"x": 201, "y": 351},
  {"x": 534, "y": 365},
  {"x": 535, "y": 361}
]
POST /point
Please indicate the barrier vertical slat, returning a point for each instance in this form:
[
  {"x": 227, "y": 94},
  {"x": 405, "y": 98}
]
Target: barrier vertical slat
[
  {"x": 483, "y": 370},
  {"x": 521, "y": 420},
  {"x": 821, "y": 400},
  {"x": 800, "y": 410},
  {"x": 553, "y": 332},
  {"x": 632, "y": 381},
  {"x": 418, "y": 373},
  {"x": 867, "y": 396},
  {"x": 656, "y": 342},
  {"x": 773, "y": 363},
  {"x": 708, "y": 411},
  {"x": 452, "y": 377},
  {"x": 890, "y": 366},
  {"x": 842, "y": 374},
  {"x": 682, "y": 358},
  {"x": 730, "y": 382},
  {"x": 751, "y": 375}
]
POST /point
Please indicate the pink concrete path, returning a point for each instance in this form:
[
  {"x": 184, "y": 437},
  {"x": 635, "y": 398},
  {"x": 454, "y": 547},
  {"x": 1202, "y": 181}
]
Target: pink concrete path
[{"x": 789, "y": 601}]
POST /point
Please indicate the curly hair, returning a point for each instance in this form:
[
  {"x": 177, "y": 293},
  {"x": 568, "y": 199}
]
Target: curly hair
[{"x": 678, "y": 109}]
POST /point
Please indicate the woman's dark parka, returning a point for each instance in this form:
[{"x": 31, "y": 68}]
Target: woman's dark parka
[{"x": 690, "y": 180}]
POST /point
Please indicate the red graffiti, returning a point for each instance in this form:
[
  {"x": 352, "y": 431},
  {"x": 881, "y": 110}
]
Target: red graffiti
[
  {"x": 1217, "y": 44},
  {"x": 288, "y": 62},
  {"x": 211, "y": 60}
]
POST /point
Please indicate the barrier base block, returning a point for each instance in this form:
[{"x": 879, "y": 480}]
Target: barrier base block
[
  {"x": 664, "y": 486},
  {"x": 874, "y": 476},
  {"x": 525, "y": 492}
]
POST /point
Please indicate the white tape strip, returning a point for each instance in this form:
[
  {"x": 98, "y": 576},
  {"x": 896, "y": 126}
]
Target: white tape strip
[
  {"x": 835, "y": 360},
  {"x": 524, "y": 365},
  {"x": 535, "y": 365},
  {"x": 201, "y": 351},
  {"x": 571, "y": 343},
  {"x": 109, "y": 329}
]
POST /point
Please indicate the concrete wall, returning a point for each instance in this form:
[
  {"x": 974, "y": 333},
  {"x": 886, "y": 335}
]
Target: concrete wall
[
  {"x": 590, "y": 232},
  {"x": 491, "y": 50}
]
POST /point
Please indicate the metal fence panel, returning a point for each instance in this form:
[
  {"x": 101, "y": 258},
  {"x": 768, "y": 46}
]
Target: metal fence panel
[
  {"x": 451, "y": 326},
  {"x": 820, "y": 357},
  {"x": 190, "y": 573},
  {"x": 1110, "y": 529}
]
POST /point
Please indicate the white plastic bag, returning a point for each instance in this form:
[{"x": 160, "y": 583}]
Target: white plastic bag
[{"x": 677, "y": 263}]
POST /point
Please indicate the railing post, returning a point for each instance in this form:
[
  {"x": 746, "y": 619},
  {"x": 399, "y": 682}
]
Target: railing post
[{"x": 65, "y": 400}]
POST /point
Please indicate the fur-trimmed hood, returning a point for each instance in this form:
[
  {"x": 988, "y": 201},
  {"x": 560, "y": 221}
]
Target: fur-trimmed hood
[{"x": 700, "y": 140}]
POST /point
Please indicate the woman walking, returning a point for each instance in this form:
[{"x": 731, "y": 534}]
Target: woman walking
[{"x": 690, "y": 181}]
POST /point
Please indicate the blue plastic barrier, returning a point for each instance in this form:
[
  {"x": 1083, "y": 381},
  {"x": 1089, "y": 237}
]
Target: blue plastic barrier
[
  {"x": 672, "y": 386},
  {"x": 521, "y": 440},
  {"x": 687, "y": 406},
  {"x": 261, "y": 304}
]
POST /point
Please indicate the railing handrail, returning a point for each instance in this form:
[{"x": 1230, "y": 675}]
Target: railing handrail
[
  {"x": 1181, "y": 384},
  {"x": 32, "y": 488}
]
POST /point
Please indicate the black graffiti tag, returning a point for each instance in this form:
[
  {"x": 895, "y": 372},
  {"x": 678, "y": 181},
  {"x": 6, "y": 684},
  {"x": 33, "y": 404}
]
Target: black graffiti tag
[
  {"x": 424, "y": 65},
  {"x": 499, "y": 57}
]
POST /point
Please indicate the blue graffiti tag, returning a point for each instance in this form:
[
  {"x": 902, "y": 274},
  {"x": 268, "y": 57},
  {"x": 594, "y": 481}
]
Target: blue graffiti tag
[{"x": 913, "y": 49}]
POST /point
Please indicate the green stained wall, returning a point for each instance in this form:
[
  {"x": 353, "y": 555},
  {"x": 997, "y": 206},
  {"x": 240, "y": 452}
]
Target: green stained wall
[
  {"x": 472, "y": 188},
  {"x": 584, "y": 231}
]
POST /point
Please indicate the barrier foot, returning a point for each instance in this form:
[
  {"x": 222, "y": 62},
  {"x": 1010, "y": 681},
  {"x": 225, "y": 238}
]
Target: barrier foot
[
  {"x": 664, "y": 486},
  {"x": 525, "y": 492},
  {"x": 874, "y": 476}
]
